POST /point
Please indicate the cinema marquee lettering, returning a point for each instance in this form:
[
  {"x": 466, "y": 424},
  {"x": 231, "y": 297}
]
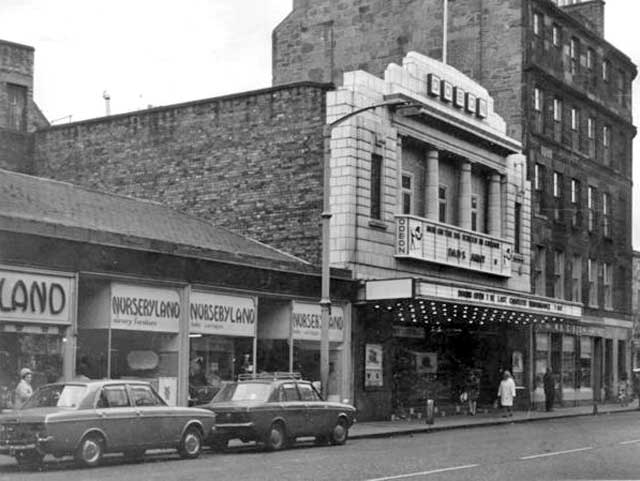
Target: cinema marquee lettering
[
  {"x": 142, "y": 308},
  {"x": 456, "y": 96},
  {"x": 434, "y": 242},
  {"x": 33, "y": 297},
  {"x": 222, "y": 314},
  {"x": 506, "y": 300}
]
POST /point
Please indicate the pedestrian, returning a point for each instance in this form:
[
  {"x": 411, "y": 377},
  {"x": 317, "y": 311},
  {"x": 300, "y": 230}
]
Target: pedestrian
[
  {"x": 23, "y": 390},
  {"x": 473, "y": 392},
  {"x": 549, "y": 385},
  {"x": 507, "y": 393},
  {"x": 623, "y": 389}
]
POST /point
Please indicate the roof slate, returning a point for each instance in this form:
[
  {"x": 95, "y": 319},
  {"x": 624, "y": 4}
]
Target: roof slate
[{"x": 46, "y": 202}]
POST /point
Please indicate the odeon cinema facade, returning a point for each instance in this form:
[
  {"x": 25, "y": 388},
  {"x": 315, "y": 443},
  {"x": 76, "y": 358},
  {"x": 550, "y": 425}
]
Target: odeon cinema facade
[{"x": 431, "y": 212}]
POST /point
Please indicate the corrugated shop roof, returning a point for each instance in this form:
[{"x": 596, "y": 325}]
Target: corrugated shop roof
[{"x": 61, "y": 209}]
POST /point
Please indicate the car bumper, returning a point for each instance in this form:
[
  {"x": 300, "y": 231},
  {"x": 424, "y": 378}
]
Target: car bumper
[
  {"x": 40, "y": 444},
  {"x": 235, "y": 430}
]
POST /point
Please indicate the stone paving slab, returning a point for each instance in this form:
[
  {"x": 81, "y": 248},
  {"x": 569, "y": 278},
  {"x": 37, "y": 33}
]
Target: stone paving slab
[{"x": 375, "y": 429}]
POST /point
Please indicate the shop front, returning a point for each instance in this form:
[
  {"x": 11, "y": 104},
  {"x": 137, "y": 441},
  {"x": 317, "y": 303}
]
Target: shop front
[
  {"x": 587, "y": 360},
  {"x": 128, "y": 330},
  {"x": 36, "y": 320},
  {"x": 289, "y": 340},
  {"x": 222, "y": 341}
]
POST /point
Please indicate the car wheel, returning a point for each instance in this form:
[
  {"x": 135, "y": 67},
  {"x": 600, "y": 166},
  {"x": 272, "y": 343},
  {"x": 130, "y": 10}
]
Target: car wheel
[
  {"x": 340, "y": 432},
  {"x": 29, "y": 458},
  {"x": 90, "y": 450},
  {"x": 277, "y": 437},
  {"x": 191, "y": 443}
]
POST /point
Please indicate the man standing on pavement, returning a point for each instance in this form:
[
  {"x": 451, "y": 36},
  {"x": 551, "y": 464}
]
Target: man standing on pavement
[
  {"x": 549, "y": 390},
  {"x": 507, "y": 393}
]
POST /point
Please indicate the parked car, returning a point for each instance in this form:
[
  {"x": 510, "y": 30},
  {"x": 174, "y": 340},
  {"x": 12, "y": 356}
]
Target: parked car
[
  {"x": 88, "y": 419},
  {"x": 275, "y": 409}
]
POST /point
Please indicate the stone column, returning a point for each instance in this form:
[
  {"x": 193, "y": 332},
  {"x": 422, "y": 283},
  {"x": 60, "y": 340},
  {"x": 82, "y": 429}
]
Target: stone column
[
  {"x": 494, "y": 211},
  {"x": 432, "y": 184},
  {"x": 464, "y": 200}
]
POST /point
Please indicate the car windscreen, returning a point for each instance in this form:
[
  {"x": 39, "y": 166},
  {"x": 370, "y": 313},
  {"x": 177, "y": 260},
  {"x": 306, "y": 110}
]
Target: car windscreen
[
  {"x": 245, "y": 391},
  {"x": 56, "y": 395}
]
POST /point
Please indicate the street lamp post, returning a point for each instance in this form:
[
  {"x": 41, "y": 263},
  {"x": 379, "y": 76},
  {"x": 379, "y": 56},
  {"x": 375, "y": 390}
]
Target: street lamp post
[{"x": 325, "y": 295}]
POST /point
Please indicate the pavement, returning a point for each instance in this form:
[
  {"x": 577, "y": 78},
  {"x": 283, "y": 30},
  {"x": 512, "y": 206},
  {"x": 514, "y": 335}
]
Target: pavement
[{"x": 488, "y": 417}]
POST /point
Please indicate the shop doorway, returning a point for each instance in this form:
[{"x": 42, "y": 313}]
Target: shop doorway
[
  {"x": 608, "y": 370},
  {"x": 556, "y": 365}
]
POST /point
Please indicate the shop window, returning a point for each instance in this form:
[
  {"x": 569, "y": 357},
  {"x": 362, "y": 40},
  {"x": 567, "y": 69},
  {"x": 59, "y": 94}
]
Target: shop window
[
  {"x": 17, "y": 111},
  {"x": 576, "y": 279},
  {"x": 558, "y": 275},
  {"x": 569, "y": 362},
  {"x": 541, "y": 358},
  {"x": 33, "y": 348},
  {"x": 376, "y": 186},
  {"x": 622, "y": 360},
  {"x": 442, "y": 203},
  {"x": 586, "y": 344},
  {"x": 607, "y": 285},
  {"x": 407, "y": 193}
]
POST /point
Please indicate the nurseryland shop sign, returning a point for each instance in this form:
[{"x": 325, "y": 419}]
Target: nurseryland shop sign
[
  {"x": 141, "y": 308},
  {"x": 306, "y": 320},
  {"x": 34, "y": 297},
  {"x": 223, "y": 315}
]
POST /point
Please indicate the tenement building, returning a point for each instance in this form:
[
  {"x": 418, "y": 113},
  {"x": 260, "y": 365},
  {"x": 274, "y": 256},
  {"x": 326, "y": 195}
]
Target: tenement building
[{"x": 565, "y": 93}]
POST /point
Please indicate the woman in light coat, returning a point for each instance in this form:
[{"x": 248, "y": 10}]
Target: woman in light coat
[{"x": 507, "y": 393}]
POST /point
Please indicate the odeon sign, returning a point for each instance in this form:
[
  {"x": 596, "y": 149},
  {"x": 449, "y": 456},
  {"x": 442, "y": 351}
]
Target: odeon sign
[{"x": 456, "y": 96}]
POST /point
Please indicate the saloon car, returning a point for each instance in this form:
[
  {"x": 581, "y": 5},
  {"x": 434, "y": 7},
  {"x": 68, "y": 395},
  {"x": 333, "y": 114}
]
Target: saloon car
[
  {"x": 275, "y": 410},
  {"x": 88, "y": 419}
]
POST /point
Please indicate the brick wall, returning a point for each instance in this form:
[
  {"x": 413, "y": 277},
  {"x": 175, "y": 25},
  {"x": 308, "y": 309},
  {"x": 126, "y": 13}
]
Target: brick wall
[
  {"x": 16, "y": 68},
  {"x": 250, "y": 162}
]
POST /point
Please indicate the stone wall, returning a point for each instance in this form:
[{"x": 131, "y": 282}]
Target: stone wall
[{"x": 251, "y": 162}]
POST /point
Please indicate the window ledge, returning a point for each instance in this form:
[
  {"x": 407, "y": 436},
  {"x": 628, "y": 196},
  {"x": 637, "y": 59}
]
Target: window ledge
[{"x": 378, "y": 224}]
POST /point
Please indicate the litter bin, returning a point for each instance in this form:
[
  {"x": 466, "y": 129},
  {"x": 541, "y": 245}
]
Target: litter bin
[{"x": 428, "y": 413}]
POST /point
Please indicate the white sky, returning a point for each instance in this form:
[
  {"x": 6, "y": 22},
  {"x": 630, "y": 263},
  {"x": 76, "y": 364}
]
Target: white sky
[{"x": 159, "y": 52}]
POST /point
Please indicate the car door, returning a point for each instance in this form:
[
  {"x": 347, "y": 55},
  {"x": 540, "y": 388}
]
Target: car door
[
  {"x": 317, "y": 414},
  {"x": 293, "y": 410},
  {"x": 117, "y": 416},
  {"x": 157, "y": 424}
]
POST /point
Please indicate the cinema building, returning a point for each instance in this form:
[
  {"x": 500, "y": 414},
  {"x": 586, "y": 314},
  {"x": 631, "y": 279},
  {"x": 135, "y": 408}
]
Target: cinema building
[{"x": 431, "y": 212}]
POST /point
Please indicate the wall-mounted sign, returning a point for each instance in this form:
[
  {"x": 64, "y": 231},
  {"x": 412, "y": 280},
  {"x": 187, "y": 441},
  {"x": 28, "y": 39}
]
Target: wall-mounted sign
[
  {"x": 447, "y": 92},
  {"x": 141, "y": 308},
  {"x": 222, "y": 314},
  {"x": 434, "y": 242},
  {"x": 306, "y": 322},
  {"x": 33, "y": 297}
]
